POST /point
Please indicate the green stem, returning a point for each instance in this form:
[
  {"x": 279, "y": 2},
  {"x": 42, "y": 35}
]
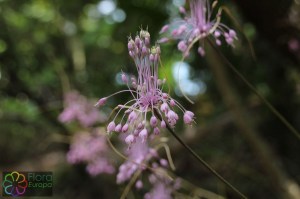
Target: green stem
[
  {"x": 200, "y": 159},
  {"x": 253, "y": 89}
]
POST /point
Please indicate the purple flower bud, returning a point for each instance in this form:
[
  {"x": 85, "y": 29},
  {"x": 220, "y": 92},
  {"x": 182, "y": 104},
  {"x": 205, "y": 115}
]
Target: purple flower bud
[
  {"x": 229, "y": 40},
  {"x": 232, "y": 33},
  {"x": 175, "y": 33},
  {"x": 163, "y": 124},
  {"x": 143, "y": 134},
  {"x": 101, "y": 101},
  {"x": 182, "y": 46},
  {"x": 118, "y": 128},
  {"x": 130, "y": 139},
  {"x": 140, "y": 125},
  {"x": 164, "y": 107},
  {"x": 164, "y": 29},
  {"x": 153, "y": 121},
  {"x": 156, "y": 131},
  {"x": 217, "y": 33},
  {"x": 111, "y": 126},
  {"x": 136, "y": 132},
  {"x": 165, "y": 95},
  {"x": 137, "y": 41},
  {"x": 130, "y": 45},
  {"x": 172, "y": 115},
  {"x": 132, "y": 116},
  {"x": 188, "y": 117},
  {"x": 218, "y": 42},
  {"x": 144, "y": 50},
  {"x": 131, "y": 53},
  {"x": 163, "y": 162},
  {"x": 163, "y": 40},
  {"x": 190, "y": 113},
  {"x": 147, "y": 41},
  {"x": 151, "y": 57},
  {"x": 139, "y": 184},
  {"x": 181, "y": 29},
  {"x": 125, "y": 128}
]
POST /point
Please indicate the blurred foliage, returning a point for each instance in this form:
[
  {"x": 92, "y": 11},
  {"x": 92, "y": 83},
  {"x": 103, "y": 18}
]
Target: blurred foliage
[{"x": 48, "y": 48}]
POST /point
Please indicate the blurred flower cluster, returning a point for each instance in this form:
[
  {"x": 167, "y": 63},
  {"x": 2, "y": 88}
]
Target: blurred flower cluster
[
  {"x": 79, "y": 108},
  {"x": 197, "y": 25},
  {"x": 93, "y": 150}
]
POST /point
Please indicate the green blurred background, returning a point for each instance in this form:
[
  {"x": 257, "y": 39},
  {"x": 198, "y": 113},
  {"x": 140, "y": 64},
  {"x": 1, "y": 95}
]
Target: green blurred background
[{"x": 48, "y": 47}]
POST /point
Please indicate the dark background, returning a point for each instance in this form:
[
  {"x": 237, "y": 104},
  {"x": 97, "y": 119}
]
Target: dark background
[{"x": 50, "y": 47}]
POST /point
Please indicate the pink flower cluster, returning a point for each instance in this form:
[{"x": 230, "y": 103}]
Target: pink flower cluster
[
  {"x": 77, "y": 107},
  {"x": 162, "y": 188},
  {"x": 196, "y": 26},
  {"x": 93, "y": 150},
  {"x": 139, "y": 156},
  {"x": 140, "y": 114}
]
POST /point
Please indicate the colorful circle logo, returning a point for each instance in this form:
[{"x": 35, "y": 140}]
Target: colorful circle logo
[{"x": 14, "y": 184}]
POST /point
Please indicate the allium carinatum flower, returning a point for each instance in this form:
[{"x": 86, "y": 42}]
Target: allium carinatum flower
[
  {"x": 140, "y": 113},
  {"x": 196, "y": 26}
]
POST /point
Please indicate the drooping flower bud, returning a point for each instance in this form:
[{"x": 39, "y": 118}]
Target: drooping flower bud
[
  {"x": 111, "y": 127},
  {"x": 153, "y": 121},
  {"x": 101, "y": 101},
  {"x": 182, "y": 46},
  {"x": 130, "y": 139},
  {"x": 188, "y": 117},
  {"x": 143, "y": 134},
  {"x": 156, "y": 131},
  {"x": 139, "y": 184},
  {"x": 125, "y": 128},
  {"x": 163, "y": 124},
  {"x": 118, "y": 128},
  {"x": 164, "y": 29}
]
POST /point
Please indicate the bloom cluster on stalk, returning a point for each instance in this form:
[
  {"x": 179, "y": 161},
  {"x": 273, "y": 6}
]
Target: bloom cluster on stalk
[
  {"x": 196, "y": 26},
  {"x": 141, "y": 114},
  {"x": 140, "y": 158}
]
